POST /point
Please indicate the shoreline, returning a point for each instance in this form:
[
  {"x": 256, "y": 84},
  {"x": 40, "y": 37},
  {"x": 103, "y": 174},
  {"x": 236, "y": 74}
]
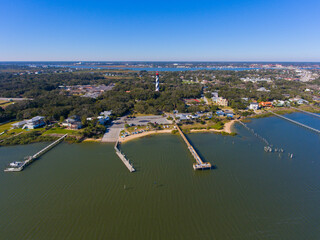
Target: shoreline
[
  {"x": 226, "y": 129},
  {"x": 283, "y": 111},
  {"x": 144, "y": 134}
]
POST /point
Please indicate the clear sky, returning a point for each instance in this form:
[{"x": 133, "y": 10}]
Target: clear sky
[{"x": 213, "y": 30}]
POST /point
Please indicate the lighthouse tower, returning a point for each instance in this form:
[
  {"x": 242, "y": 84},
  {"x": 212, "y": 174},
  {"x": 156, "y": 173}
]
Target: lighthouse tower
[{"x": 157, "y": 82}]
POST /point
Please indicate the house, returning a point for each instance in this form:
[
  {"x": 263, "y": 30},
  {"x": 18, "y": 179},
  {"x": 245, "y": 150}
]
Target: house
[
  {"x": 221, "y": 101},
  {"x": 263, "y": 89},
  {"x": 302, "y": 101},
  {"x": 72, "y": 123},
  {"x": 193, "y": 116},
  {"x": 104, "y": 117},
  {"x": 265, "y": 104},
  {"x": 35, "y": 122},
  {"x": 215, "y": 94},
  {"x": 299, "y": 100},
  {"x": 278, "y": 103},
  {"x": 19, "y": 124},
  {"x": 215, "y": 97},
  {"x": 220, "y": 113},
  {"x": 230, "y": 115},
  {"x": 254, "y": 106},
  {"x": 182, "y": 116},
  {"x": 106, "y": 113},
  {"x": 316, "y": 99}
]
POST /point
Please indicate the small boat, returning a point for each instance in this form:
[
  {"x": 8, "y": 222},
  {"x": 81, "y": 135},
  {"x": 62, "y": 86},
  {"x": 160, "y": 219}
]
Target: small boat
[{"x": 16, "y": 164}]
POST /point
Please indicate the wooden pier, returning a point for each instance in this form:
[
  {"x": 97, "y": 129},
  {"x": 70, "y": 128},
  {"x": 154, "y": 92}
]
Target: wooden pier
[
  {"x": 311, "y": 113},
  {"x": 123, "y": 158},
  {"x": 30, "y": 159},
  {"x": 295, "y": 122},
  {"x": 199, "y": 163}
]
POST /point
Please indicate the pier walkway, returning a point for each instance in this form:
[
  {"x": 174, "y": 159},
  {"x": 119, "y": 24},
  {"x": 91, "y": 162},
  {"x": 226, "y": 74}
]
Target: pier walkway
[
  {"x": 123, "y": 158},
  {"x": 311, "y": 113},
  {"x": 200, "y": 164},
  {"x": 295, "y": 122},
  {"x": 21, "y": 165}
]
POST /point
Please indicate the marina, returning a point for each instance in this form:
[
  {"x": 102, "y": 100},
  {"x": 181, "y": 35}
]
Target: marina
[{"x": 19, "y": 166}]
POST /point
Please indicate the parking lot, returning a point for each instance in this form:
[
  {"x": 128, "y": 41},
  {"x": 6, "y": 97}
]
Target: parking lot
[{"x": 117, "y": 126}]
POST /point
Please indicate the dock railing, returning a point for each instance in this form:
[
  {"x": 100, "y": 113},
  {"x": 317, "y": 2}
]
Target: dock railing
[
  {"x": 295, "y": 122},
  {"x": 30, "y": 159},
  {"x": 122, "y": 157},
  {"x": 199, "y": 163}
]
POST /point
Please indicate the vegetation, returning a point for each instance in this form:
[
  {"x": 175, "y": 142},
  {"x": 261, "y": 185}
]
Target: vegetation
[{"x": 134, "y": 94}]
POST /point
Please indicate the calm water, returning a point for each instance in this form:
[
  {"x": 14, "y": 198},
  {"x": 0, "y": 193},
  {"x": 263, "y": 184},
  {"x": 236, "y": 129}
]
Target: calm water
[{"x": 83, "y": 191}]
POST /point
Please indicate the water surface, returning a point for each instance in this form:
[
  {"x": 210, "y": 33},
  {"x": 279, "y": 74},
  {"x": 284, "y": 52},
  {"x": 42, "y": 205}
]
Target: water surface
[{"x": 83, "y": 191}]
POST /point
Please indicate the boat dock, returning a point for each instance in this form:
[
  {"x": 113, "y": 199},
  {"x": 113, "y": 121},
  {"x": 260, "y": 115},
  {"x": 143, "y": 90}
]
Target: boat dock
[
  {"x": 199, "y": 163},
  {"x": 19, "y": 166},
  {"x": 295, "y": 122},
  {"x": 123, "y": 158}
]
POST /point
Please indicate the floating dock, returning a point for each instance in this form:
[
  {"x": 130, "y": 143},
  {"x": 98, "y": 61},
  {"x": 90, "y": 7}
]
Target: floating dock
[
  {"x": 19, "y": 166},
  {"x": 200, "y": 164},
  {"x": 123, "y": 158}
]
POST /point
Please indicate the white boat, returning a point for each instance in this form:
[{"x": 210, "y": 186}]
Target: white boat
[{"x": 16, "y": 164}]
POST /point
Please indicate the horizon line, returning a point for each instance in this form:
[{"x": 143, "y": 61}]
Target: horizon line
[{"x": 185, "y": 61}]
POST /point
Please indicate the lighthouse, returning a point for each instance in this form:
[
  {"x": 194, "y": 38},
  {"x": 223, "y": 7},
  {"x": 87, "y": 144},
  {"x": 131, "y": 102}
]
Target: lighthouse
[{"x": 157, "y": 82}]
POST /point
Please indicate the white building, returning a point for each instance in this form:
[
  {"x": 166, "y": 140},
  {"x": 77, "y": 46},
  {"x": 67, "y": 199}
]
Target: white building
[
  {"x": 263, "y": 89},
  {"x": 254, "y": 106}
]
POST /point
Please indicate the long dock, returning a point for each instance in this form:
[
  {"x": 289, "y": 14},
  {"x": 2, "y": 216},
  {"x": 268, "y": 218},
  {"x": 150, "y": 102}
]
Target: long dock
[
  {"x": 19, "y": 166},
  {"x": 311, "y": 113},
  {"x": 200, "y": 164},
  {"x": 295, "y": 122},
  {"x": 123, "y": 158}
]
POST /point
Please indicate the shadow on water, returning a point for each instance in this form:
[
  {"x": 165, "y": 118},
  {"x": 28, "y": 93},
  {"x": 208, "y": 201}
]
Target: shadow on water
[{"x": 199, "y": 153}]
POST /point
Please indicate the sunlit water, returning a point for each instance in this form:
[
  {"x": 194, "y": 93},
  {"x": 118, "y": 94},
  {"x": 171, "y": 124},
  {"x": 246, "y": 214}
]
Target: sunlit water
[{"x": 83, "y": 191}]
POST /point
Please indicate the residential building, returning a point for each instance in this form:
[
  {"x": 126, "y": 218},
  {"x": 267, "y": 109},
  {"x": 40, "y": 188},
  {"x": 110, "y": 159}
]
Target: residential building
[
  {"x": 222, "y": 101},
  {"x": 72, "y": 122},
  {"x": 182, "y": 116},
  {"x": 35, "y": 122},
  {"x": 19, "y": 124},
  {"x": 263, "y": 89},
  {"x": 265, "y": 104},
  {"x": 254, "y": 106},
  {"x": 220, "y": 113}
]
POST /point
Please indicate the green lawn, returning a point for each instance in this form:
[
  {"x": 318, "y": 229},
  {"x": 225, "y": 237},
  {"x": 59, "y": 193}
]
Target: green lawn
[
  {"x": 61, "y": 131},
  {"x": 6, "y": 126}
]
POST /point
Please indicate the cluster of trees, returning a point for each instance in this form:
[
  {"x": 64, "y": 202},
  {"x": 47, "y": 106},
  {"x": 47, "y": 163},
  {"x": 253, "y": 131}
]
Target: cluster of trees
[
  {"x": 134, "y": 92},
  {"x": 14, "y": 85}
]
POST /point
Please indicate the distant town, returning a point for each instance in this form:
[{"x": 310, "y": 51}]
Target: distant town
[{"x": 104, "y": 101}]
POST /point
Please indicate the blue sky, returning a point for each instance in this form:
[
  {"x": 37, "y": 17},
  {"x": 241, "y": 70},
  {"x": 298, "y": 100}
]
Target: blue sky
[{"x": 216, "y": 30}]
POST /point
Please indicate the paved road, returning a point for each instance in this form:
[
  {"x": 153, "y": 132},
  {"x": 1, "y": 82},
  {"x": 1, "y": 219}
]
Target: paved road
[{"x": 15, "y": 99}]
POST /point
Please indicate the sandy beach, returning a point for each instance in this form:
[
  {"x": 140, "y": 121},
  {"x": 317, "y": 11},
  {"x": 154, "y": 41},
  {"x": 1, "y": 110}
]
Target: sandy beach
[
  {"x": 140, "y": 135},
  {"x": 227, "y": 128}
]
